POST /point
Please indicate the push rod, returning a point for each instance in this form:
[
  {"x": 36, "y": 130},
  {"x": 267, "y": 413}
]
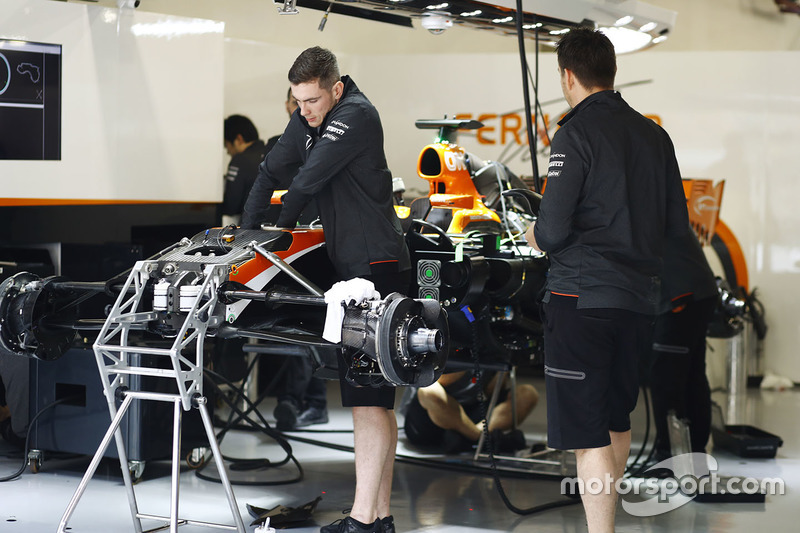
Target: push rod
[
  {"x": 285, "y": 268},
  {"x": 273, "y": 297}
]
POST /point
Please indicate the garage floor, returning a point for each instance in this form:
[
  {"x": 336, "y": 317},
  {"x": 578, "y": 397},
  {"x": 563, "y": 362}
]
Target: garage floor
[{"x": 431, "y": 492}]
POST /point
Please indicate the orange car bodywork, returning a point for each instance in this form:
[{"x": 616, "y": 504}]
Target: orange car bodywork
[{"x": 444, "y": 166}]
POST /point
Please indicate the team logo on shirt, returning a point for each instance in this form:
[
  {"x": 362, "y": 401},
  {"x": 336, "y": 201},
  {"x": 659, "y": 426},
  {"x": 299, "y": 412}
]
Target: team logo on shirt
[
  {"x": 232, "y": 173},
  {"x": 309, "y": 141},
  {"x": 553, "y": 169}
]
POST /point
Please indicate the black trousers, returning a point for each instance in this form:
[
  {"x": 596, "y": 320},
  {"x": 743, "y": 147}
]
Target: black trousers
[
  {"x": 300, "y": 387},
  {"x": 678, "y": 373}
]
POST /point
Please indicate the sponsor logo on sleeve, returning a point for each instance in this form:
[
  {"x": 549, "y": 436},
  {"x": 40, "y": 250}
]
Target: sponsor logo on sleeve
[
  {"x": 335, "y": 130},
  {"x": 556, "y": 162},
  {"x": 232, "y": 173}
]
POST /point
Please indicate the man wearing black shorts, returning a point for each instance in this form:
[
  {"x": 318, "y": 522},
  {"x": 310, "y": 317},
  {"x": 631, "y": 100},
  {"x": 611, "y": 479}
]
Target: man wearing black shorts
[
  {"x": 332, "y": 153},
  {"x": 613, "y": 194}
]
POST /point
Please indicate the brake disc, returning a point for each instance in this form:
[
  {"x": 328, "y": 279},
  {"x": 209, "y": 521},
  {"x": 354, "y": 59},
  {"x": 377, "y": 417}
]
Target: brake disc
[{"x": 412, "y": 343}]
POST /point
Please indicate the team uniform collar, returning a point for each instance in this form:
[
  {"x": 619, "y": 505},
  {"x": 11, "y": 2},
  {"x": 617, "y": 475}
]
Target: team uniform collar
[{"x": 589, "y": 100}]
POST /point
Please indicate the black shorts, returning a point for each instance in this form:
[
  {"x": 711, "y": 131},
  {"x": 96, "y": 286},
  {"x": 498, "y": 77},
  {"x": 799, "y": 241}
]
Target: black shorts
[
  {"x": 386, "y": 282},
  {"x": 591, "y": 371}
]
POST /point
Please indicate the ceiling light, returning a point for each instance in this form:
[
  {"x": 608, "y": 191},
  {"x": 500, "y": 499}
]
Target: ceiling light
[
  {"x": 660, "y": 39},
  {"x": 626, "y": 40},
  {"x": 627, "y": 19},
  {"x": 503, "y": 20},
  {"x": 436, "y": 7},
  {"x": 176, "y": 28},
  {"x": 471, "y": 13},
  {"x": 648, "y": 27}
]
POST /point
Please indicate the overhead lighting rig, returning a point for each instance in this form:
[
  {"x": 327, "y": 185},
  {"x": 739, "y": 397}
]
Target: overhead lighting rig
[{"x": 630, "y": 24}]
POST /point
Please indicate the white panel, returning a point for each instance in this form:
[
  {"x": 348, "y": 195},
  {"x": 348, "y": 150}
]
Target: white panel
[
  {"x": 141, "y": 112},
  {"x": 256, "y": 83}
]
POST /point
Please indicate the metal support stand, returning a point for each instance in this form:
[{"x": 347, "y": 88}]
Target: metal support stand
[
  {"x": 546, "y": 462},
  {"x": 493, "y": 403},
  {"x": 113, "y": 355}
]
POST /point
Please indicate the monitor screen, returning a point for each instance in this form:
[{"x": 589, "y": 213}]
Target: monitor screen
[{"x": 30, "y": 100}]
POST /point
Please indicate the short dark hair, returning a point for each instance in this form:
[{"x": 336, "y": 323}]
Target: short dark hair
[
  {"x": 315, "y": 64},
  {"x": 239, "y": 125},
  {"x": 590, "y": 55}
]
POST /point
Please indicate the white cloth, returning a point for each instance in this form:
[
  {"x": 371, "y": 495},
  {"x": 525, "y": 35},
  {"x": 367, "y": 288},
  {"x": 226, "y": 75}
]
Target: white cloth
[
  {"x": 342, "y": 293},
  {"x": 775, "y": 381}
]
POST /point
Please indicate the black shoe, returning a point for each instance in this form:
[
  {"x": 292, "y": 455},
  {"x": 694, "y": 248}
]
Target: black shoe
[
  {"x": 388, "y": 524},
  {"x": 351, "y": 525},
  {"x": 507, "y": 441},
  {"x": 311, "y": 416},
  {"x": 286, "y": 415},
  {"x": 538, "y": 447}
]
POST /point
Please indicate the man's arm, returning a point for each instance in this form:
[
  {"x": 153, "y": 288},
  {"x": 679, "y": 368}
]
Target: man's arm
[
  {"x": 565, "y": 176},
  {"x": 530, "y": 236},
  {"x": 231, "y": 189},
  {"x": 240, "y": 176}
]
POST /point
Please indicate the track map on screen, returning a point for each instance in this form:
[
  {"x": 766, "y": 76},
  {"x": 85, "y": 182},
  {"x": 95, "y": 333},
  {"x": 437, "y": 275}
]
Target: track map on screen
[{"x": 30, "y": 100}]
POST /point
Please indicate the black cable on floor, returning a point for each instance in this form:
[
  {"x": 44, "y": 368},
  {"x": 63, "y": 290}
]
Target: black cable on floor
[
  {"x": 241, "y": 464},
  {"x": 233, "y": 423},
  {"x": 25, "y": 449}
]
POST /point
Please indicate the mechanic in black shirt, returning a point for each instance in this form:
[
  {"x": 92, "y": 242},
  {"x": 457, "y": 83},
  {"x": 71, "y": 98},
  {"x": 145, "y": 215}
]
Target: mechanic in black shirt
[
  {"x": 613, "y": 194},
  {"x": 246, "y": 151},
  {"x": 677, "y": 377},
  {"x": 332, "y": 153}
]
